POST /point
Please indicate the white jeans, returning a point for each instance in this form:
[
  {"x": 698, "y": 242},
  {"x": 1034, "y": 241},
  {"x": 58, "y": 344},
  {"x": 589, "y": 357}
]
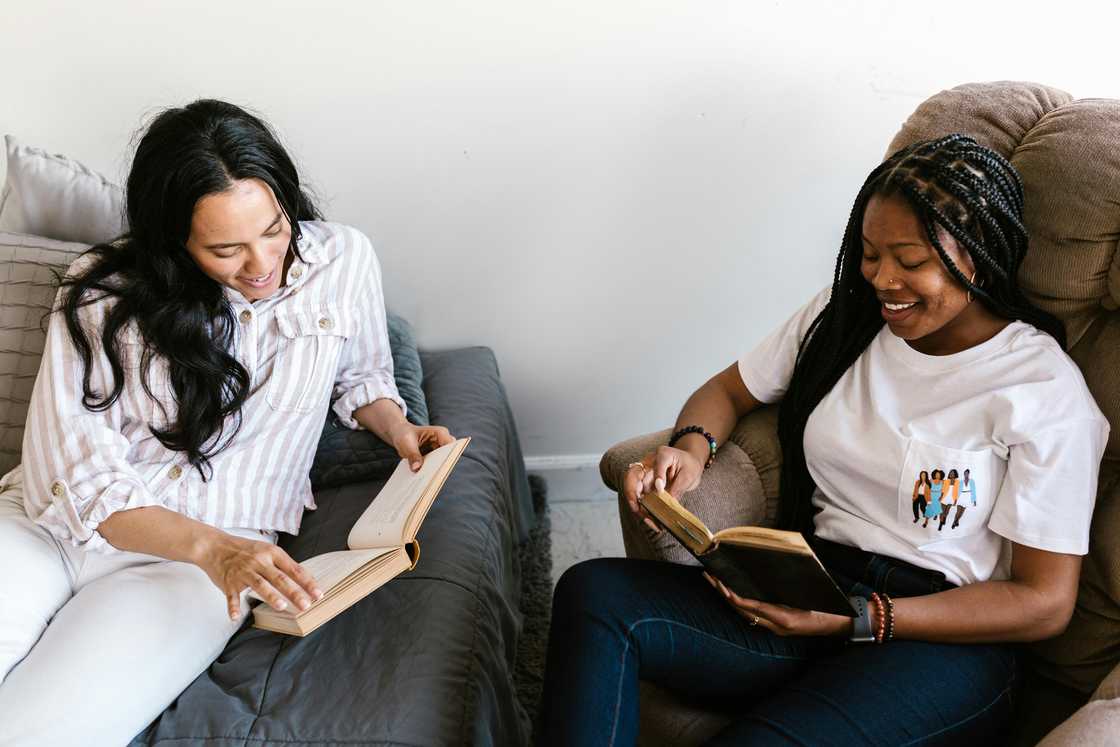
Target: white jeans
[{"x": 94, "y": 646}]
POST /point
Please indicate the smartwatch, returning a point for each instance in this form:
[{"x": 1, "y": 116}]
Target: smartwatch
[{"x": 861, "y": 625}]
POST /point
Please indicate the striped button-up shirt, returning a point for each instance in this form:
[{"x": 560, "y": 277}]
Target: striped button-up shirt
[{"x": 319, "y": 341}]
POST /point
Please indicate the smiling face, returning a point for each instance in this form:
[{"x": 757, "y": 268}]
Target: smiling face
[
  {"x": 240, "y": 237},
  {"x": 920, "y": 301}
]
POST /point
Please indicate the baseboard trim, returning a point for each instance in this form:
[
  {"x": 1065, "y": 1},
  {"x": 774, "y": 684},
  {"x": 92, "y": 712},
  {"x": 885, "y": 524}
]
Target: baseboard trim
[{"x": 562, "y": 461}]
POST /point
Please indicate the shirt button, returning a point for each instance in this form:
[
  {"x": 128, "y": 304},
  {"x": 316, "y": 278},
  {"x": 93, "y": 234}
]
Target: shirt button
[
  {"x": 175, "y": 472},
  {"x": 296, "y": 272},
  {"x": 57, "y": 489},
  {"x": 246, "y": 316},
  {"x": 325, "y": 323}
]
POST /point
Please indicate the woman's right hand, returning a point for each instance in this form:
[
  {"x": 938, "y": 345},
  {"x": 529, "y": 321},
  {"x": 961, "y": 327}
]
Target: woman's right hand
[
  {"x": 668, "y": 468},
  {"x": 235, "y": 563}
]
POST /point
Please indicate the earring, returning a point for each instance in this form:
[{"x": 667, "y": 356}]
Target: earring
[{"x": 971, "y": 281}]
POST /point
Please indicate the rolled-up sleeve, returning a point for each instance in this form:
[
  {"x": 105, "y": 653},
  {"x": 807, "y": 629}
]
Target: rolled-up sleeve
[
  {"x": 365, "y": 372},
  {"x": 75, "y": 467}
]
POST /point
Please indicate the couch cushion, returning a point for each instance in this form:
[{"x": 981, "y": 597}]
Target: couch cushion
[
  {"x": 408, "y": 372},
  {"x": 27, "y": 289},
  {"x": 55, "y": 196}
]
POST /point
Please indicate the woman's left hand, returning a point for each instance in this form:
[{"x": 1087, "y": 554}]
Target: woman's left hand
[
  {"x": 413, "y": 441},
  {"x": 782, "y": 620}
]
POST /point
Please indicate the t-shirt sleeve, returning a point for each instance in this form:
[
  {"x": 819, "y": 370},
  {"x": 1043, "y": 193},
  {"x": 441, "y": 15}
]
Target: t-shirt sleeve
[
  {"x": 1047, "y": 497},
  {"x": 767, "y": 369}
]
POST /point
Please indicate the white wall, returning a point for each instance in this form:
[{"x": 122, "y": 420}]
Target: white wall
[{"x": 618, "y": 197}]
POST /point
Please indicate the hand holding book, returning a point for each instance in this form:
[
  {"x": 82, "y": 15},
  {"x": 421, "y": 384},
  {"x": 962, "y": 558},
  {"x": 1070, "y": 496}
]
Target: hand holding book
[
  {"x": 237, "y": 563},
  {"x": 674, "y": 470},
  {"x": 781, "y": 619},
  {"x": 771, "y": 566}
]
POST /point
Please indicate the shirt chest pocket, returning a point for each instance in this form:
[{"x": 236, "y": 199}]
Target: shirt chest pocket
[
  {"x": 309, "y": 344},
  {"x": 946, "y": 493}
]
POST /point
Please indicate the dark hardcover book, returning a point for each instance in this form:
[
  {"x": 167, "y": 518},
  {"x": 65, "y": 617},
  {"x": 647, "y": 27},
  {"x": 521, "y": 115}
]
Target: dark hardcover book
[{"x": 769, "y": 565}]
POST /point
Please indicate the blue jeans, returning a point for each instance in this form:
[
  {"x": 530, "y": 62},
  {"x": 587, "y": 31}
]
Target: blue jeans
[{"x": 616, "y": 621}]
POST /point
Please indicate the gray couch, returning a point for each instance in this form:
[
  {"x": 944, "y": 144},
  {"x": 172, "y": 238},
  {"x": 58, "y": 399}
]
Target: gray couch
[{"x": 426, "y": 659}]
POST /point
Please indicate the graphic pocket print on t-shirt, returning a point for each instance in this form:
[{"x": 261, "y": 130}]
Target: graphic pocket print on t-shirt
[{"x": 946, "y": 492}]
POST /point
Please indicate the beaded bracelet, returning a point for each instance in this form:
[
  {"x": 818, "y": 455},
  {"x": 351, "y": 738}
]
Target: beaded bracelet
[
  {"x": 890, "y": 616},
  {"x": 697, "y": 429},
  {"x": 881, "y": 627}
]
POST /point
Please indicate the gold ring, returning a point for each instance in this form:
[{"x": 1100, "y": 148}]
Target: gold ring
[{"x": 755, "y": 619}]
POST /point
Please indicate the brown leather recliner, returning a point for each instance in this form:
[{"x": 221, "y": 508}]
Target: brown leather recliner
[{"x": 1068, "y": 154}]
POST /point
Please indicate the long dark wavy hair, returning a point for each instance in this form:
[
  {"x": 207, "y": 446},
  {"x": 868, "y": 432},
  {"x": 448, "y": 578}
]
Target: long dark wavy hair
[
  {"x": 954, "y": 185},
  {"x": 182, "y": 315}
]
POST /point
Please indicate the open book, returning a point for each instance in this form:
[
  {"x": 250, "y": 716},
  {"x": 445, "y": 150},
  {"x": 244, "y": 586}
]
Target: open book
[
  {"x": 769, "y": 565},
  {"x": 382, "y": 545}
]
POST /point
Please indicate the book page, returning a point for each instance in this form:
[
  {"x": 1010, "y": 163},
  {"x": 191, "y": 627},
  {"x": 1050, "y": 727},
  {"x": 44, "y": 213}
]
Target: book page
[
  {"x": 681, "y": 523},
  {"x": 383, "y": 522},
  {"x": 332, "y": 568},
  {"x": 764, "y": 537}
]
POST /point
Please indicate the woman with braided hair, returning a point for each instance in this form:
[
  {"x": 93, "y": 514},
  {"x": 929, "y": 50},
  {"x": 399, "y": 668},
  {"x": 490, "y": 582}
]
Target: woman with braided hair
[{"x": 924, "y": 351}]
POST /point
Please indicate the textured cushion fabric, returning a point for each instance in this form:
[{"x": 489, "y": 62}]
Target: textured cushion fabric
[
  {"x": 57, "y": 197},
  {"x": 426, "y": 659},
  {"x": 407, "y": 369},
  {"x": 344, "y": 456},
  {"x": 27, "y": 290},
  {"x": 1066, "y": 152},
  {"x": 1095, "y": 723}
]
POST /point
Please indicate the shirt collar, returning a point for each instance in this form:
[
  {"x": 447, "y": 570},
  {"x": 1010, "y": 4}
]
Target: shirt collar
[{"x": 310, "y": 250}]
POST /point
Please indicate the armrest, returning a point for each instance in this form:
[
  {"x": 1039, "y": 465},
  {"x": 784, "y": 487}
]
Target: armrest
[
  {"x": 1095, "y": 723},
  {"x": 730, "y": 494},
  {"x": 1109, "y": 689},
  {"x": 757, "y": 435}
]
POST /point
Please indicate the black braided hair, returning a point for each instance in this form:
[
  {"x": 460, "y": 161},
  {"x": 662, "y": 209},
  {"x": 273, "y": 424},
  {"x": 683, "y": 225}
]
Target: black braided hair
[{"x": 955, "y": 185}]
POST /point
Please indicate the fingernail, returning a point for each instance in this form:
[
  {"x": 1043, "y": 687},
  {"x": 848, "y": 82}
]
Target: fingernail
[
  {"x": 281, "y": 605},
  {"x": 415, "y": 466},
  {"x": 235, "y": 616},
  {"x": 651, "y": 525},
  {"x": 304, "y": 604},
  {"x": 318, "y": 595},
  {"x": 659, "y": 483}
]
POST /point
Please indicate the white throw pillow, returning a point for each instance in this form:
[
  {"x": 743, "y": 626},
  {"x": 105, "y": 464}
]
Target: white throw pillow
[
  {"x": 57, "y": 197},
  {"x": 27, "y": 292}
]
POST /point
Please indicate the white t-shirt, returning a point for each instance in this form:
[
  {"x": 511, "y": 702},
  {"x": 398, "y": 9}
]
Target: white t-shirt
[{"x": 1014, "y": 411}]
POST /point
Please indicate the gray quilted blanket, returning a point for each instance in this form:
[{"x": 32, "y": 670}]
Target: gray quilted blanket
[{"x": 426, "y": 659}]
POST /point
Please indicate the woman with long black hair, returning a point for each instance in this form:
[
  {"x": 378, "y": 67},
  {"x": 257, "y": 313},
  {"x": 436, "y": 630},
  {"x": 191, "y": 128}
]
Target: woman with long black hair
[
  {"x": 188, "y": 369},
  {"x": 924, "y": 351}
]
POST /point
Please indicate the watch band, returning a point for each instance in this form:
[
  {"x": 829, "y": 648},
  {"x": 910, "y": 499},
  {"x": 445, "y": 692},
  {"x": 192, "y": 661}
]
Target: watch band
[{"x": 861, "y": 625}]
